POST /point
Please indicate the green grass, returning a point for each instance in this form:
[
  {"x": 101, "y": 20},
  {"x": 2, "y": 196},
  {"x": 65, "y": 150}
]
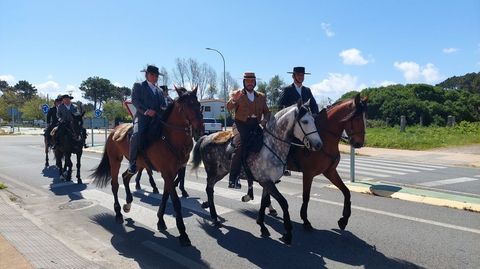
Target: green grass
[
  {"x": 2, "y": 186},
  {"x": 420, "y": 138}
]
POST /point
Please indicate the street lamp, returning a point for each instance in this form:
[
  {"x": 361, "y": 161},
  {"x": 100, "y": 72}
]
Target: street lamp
[{"x": 224, "y": 90}]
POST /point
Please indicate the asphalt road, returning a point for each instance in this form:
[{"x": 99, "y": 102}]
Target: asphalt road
[{"x": 382, "y": 232}]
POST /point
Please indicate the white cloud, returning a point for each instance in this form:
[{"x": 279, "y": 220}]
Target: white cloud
[
  {"x": 353, "y": 57},
  {"x": 335, "y": 85},
  {"x": 413, "y": 72},
  {"x": 53, "y": 89},
  {"x": 326, "y": 28},
  {"x": 385, "y": 83},
  {"x": 10, "y": 79},
  {"x": 118, "y": 84},
  {"x": 449, "y": 50}
]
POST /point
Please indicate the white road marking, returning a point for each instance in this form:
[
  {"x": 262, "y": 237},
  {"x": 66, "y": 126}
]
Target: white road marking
[
  {"x": 185, "y": 261},
  {"x": 138, "y": 213},
  {"x": 347, "y": 170},
  {"x": 448, "y": 181},
  {"x": 363, "y": 168},
  {"x": 400, "y": 216},
  {"x": 416, "y": 165},
  {"x": 384, "y": 167}
]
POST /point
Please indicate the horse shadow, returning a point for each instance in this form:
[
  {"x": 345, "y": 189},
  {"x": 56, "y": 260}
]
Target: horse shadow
[
  {"x": 133, "y": 241},
  {"x": 51, "y": 172},
  {"x": 315, "y": 249}
]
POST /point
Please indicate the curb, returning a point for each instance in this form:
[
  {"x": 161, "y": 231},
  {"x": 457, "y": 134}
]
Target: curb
[{"x": 415, "y": 195}]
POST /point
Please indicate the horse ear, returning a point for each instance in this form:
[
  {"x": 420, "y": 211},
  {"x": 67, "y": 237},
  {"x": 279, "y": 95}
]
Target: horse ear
[
  {"x": 179, "y": 92},
  {"x": 357, "y": 99},
  {"x": 307, "y": 104},
  {"x": 195, "y": 90},
  {"x": 299, "y": 102}
]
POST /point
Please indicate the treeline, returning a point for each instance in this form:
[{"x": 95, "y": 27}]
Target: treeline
[{"x": 421, "y": 103}]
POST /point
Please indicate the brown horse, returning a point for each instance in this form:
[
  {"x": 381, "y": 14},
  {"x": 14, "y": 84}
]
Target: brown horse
[
  {"x": 348, "y": 116},
  {"x": 167, "y": 153}
]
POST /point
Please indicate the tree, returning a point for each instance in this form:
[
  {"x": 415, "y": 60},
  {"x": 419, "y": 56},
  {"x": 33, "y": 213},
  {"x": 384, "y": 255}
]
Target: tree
[
  {"x": 113, "y": 109},
  {"x": 25, "y": 90},
  {"x": 273, "y": 90},
  {"x": 31, "y": 110},
  {"x": 4, "y": 85},
  {"x": 98, "y": 90},
  {"x": 212, "y": 83},
  {"x": 180, "y": 72},
  {"x": 165, "y": 79},
  {"x": 262, "y": 87},
  {"x": 231, "y": 85},
  {"x": 121, "y": 93}
]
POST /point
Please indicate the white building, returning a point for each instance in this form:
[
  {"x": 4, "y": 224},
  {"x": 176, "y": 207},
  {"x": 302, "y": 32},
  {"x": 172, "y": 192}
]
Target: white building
[{"x": 212, "y": 108}]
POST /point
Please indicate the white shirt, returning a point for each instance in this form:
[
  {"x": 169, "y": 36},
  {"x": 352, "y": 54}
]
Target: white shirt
[
  {"x": 251, "y": 95},
  {"x": 152, "y": 87},
  {"x": 68, "y": 107},
  {"x": 299, "y": 90}
]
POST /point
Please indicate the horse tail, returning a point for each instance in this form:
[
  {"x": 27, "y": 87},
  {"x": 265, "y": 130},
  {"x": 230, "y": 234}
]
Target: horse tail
[
  {"x": 102, "y": 174},
  {"x": 197, "y": 157}
]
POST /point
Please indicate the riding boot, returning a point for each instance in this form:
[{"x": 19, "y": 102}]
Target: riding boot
[
  {"x": 235, "y": 167},
  {"x": 132, "y": 154}
]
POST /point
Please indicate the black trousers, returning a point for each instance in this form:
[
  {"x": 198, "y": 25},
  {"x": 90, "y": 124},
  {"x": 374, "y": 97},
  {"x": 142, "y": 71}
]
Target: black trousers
[
  {"x": 244, "y": 128},
  {"x": 137, "y": 140}
]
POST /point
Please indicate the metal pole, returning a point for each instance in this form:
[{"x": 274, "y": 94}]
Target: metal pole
[
  {"x": 224, "y": 91},
  {"x": 352, "y": 163},
  {"x": 91, "y": 127}
]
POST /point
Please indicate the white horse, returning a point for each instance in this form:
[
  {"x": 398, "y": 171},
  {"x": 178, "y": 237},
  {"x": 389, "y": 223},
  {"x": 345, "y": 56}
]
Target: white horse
[{"x": 267, "y": 165}]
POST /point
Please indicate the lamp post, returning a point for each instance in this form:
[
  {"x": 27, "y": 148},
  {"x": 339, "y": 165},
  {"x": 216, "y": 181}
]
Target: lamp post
[{"x": 224, "y": 90}]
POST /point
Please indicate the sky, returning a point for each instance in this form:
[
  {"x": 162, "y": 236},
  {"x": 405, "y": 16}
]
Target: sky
[{"x": 346, "y": 45}]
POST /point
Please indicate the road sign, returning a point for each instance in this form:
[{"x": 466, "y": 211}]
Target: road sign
[
  {"x": 98, "y": 113},
  {"x": 45, "y": 108},
  {"x": 130, "y": 108}
]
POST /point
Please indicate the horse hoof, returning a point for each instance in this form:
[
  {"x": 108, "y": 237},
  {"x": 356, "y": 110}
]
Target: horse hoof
[
  {"x": 273, "y": 212},
  {"x": 161, "y": 226},
  {"x": 137, "y": 187},
  {"x": 79, "y": 181},
  {"x": 185, "y": 194},
  {"x": 205, "y": 205},
  {"x": 307, "y": 226},
  {"x": 286, "y": 238},
  {"x": 184, "y": 241},
  {"x": 246, "y": 198},
  {"x": 342, "y": 223},
  {"x": 265, "y": 232},
  {"x": 217, "y": 224},
  {"x": 119, "y": 219},
  {"x": 155, "y": 191},
  {"x": 126, "y": 208}
]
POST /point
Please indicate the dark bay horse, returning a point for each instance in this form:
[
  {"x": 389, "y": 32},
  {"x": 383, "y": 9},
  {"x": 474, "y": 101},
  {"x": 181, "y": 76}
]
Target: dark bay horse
[
  {"x": 167, "y": 153},
  {"x": 47, "y": 145},
  {"x": 267, "y": 165},
  {"x": 70, "y": 141},
  {"x": 348, "y": 116}
]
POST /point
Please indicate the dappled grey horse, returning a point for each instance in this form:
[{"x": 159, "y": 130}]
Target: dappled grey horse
[{"x": 267, "y": 165}]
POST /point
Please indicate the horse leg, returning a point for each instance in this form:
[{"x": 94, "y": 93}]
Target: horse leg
[
  {"x": 181, "y": 181},
  {"x": 272, "y": 190},
  {"x": 46, "y": 152},
  {"x": 184, "y": 240},
  {"x": 333, "y": 176},
  {"x": 58, "y": 163},
  {"x": 79, "y": 157},
  {"x": 161, "y": 226},
  {"x": 307, "y": 186},
  {"x": 249, "y": 195},
  {"x": 114, "y": 168},
  {"x": 68, "y": 166},
  {"x": 152, "y": 181},
  {"x": 126, "y": 182},
  {"x": 137, "y": 179},
  {"x": 261, "y": 213},
  {"x": 211, "y": 203}
]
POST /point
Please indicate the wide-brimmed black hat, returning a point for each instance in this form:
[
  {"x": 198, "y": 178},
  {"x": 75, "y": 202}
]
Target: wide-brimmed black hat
[
  {"x": 67, "y": 96},
  {"x": 59, "y": 98},
  {"x": 152, "y": 69},
  {"x": 299, "y": 69}
]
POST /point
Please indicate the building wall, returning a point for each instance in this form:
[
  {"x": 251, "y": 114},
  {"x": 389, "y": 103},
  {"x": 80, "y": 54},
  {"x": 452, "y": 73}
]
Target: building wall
[{"x": 212, "y": 108}]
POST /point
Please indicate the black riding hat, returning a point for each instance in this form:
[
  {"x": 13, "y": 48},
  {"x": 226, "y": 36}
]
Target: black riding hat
[
  {"x": 299, "y": 69},
  {"x": 67, "y": 96}
]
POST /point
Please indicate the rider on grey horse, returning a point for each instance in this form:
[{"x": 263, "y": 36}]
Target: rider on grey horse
[{"x": 249, "y": 107}]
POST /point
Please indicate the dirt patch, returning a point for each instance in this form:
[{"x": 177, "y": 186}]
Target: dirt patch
[{"x": 469, "y": 149}]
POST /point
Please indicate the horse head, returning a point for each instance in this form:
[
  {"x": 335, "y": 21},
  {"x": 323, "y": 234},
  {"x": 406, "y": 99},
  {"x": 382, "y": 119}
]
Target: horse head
[
  {"x": 355, "y": 121},
  {"x": 191, "y": 109},
  {"x": 301, "y": 124}
]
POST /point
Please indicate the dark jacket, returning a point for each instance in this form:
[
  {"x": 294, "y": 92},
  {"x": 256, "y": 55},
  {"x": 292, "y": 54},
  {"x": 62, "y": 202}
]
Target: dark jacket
[
  {"x": 289, "y": 96},
  {"x": 52, "y": 119},
  {"x": 64, "y": 114},
  {"x": 143, "y": 98}
]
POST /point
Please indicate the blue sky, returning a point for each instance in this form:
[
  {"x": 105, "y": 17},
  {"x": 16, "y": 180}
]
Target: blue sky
[{"x": 346, "y": 45}]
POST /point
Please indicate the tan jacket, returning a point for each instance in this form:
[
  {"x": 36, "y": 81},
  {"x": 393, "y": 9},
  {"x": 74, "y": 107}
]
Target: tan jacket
[{"x": 244, "y": 109}]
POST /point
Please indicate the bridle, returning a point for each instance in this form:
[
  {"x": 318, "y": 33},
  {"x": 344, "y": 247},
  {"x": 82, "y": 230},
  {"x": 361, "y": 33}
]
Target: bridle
[{"x": 188, "y": 129}]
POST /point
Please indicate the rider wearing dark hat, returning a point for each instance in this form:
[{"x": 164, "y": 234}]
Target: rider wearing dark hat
[
  {"x": 249, "y": 107},
  {"x": 52, "y": 119},
  {"x": 296, "y": 90},
  {"x": 148, "y": 100}
]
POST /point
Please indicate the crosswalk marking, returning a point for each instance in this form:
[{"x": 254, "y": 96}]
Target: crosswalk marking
[
  {"x": 138, "y": 213},
  {"x": 371, "y": 160},
  {"x": 381, "y": 166},
  {"x": 448, "y": 181},
  {"x": 363, "y": 168},
  {"x": 357, "y": 172},
  {"x": 191, "y": 204}
]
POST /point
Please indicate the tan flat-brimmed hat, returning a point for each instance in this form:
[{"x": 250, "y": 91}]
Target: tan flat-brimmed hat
[{"x": 249, "y": 75}]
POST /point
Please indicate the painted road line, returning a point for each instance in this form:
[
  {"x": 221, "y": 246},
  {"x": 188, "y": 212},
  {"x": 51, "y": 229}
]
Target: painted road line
[
  {"x": 185, "y": 261},
  {"x": 192, "y": 204},
  {"x": 448, "y": 181},
  {"x": 138, "y": 213},
  {"x": 218, "y": 191},
  {"x": 400, "y": 216},
  {"x": 477, "y": 176},
  {"x": 401, "y": 163},
  {"x": 363, "y": 168},
  {"x": 361, "y": 172},
  {"x": 386, "y": 167},
  {"x": 372, "y": 162}
]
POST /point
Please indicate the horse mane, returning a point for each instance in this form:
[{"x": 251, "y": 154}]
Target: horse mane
[{"x": 359, "y": 109}]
